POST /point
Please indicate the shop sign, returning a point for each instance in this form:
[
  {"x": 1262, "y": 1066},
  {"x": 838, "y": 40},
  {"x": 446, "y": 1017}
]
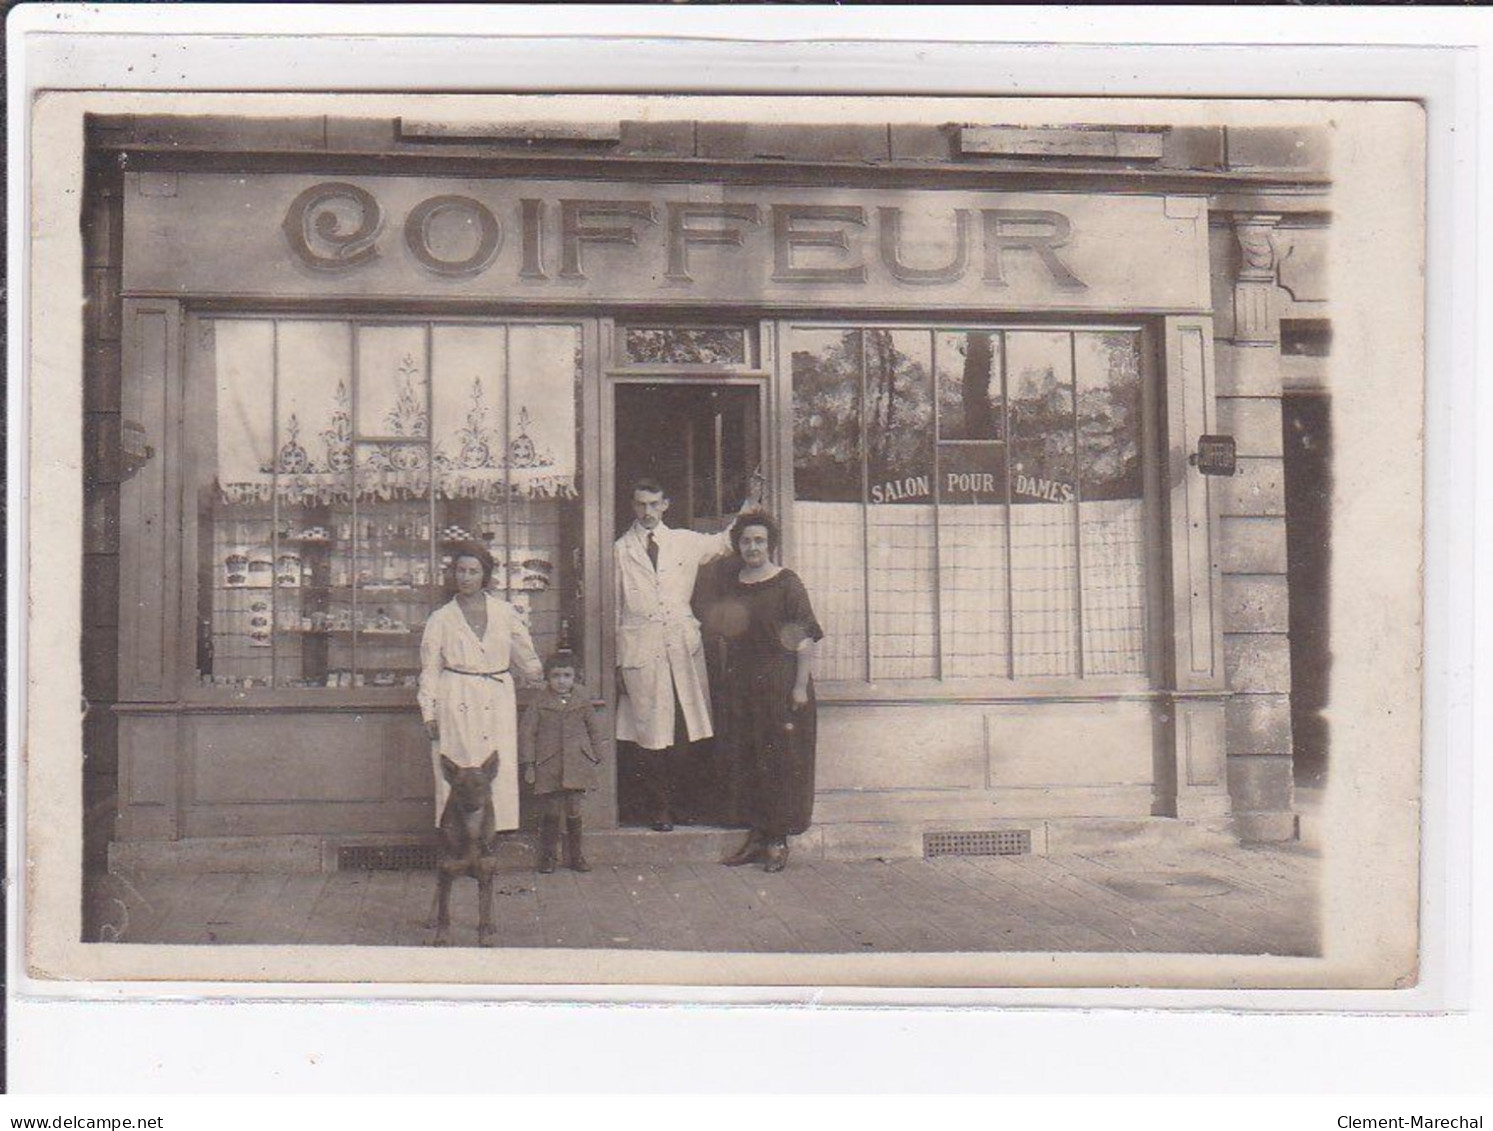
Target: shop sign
[{"x": 560, "y": 241}]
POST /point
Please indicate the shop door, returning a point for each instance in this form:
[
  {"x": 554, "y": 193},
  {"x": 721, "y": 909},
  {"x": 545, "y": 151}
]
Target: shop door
[{"x": 703, "y": 442}]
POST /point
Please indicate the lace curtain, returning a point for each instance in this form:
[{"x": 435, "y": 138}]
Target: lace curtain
[{"x": 472, "y": 411}]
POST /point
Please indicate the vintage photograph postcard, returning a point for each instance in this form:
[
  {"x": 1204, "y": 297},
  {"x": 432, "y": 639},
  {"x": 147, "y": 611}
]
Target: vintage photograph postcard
[{"x": 724, "y": 541}]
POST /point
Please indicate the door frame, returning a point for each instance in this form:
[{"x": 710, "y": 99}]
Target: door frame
[{"x": 607, "y": 534}]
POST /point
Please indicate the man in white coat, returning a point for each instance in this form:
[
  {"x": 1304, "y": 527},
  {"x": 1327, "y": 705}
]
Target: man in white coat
[{"x": 664, "y": 691}]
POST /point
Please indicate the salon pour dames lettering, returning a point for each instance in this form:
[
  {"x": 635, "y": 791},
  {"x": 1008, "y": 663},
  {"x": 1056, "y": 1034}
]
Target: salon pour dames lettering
[
  {"x": 811, "y": 243},
  {"x": 570, "y": 241},
  {"x": 973, "y": 486}
]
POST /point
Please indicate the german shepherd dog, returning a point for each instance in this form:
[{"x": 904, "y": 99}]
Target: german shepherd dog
[{"x": 468, "y": 844}]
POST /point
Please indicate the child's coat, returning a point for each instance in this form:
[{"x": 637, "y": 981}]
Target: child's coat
[{"x": 564, "y": 741}]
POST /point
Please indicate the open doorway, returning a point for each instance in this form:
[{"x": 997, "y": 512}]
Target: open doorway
[{"x": 703, "y": 442}]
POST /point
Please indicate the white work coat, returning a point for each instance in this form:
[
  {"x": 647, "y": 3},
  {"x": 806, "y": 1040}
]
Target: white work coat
[
  {"x": 477, "y": 712},
  {"x": 659, "y": 651}
]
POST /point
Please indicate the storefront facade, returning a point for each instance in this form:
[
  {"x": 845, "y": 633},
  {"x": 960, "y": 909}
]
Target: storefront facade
[{"x": 971, "y": 364}]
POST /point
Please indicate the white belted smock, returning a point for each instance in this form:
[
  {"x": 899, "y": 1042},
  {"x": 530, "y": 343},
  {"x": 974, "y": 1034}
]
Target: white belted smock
[
  {"x": 659, "y": 650},
  {"x": 466, "y": 685}
]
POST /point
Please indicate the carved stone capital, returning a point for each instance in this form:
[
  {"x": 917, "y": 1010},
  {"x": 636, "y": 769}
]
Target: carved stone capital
[
  {"x": 1256, "y": 235},
  {"x": 1255, "y": 321}
]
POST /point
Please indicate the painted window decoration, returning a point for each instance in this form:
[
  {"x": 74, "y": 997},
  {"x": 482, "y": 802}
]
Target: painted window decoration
[
  {"x": 969, "y": 502},
  {"x": 349, "y": 458},
  {"x": 685, "y": 345}
]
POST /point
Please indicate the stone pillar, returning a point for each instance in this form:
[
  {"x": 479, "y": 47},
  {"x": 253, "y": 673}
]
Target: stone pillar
[
  {"x": 1252, "y": 543},
  {"x": 1255, "y": 320}
]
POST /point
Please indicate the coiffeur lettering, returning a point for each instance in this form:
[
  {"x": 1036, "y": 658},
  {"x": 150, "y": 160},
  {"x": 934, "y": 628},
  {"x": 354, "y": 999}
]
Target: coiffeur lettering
[{"x": 338, "y": 226}]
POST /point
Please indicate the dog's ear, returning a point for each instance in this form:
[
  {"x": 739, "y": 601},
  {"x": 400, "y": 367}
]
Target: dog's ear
[
  {"x": 490, "y": 767},
  {"x": 449, "y": 770}
]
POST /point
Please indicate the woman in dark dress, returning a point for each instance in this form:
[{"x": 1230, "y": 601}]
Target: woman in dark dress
[{"x": 768, "y": 692}]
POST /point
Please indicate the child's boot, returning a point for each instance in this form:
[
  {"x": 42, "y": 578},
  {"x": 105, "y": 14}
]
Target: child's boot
[
  {"x": 549, "y": 843},
  {"x": 573, "y": 845}
]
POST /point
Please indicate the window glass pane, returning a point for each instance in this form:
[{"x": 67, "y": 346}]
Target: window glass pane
[
  {"x": 903, "y": 591},
  {"x": 902, "y": 574},
  {"x": 970, "y": 403},
  {"x": 320, "y": 557},
  {"x": 392, "y": 382},
  {"x": 236, "y": 552},
  {"x": 826, "y": 415},
  {"x": 545, "y": 520},
  {"x": 469, "y": 365},
  {"x": 974, "y": 629},
  {"x": 1111, "y": 522},
  {"x": 1020, "y": 552},
  {"x": 829, "y": 518},
  {"x": 376, "y": 622},
  {"x": 830, "y": 555},
  {"x": 1109, "y": 415},
  {"x": 1044, "y": 495},
  {"x": 899, "y": 416},
  {"x": 685, "y": 345}
]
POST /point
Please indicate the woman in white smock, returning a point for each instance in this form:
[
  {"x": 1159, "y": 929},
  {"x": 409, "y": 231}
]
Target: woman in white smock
[{"x": 471, "y": 649}]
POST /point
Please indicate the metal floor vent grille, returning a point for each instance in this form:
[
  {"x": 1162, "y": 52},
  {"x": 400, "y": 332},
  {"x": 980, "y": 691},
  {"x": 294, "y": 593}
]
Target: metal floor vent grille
[
  {"x": 988, "y": 842},
  {"x": 387, "y": 858}
]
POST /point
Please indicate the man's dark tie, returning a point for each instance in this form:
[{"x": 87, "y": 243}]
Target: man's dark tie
[{"x": 653, "y": 550}]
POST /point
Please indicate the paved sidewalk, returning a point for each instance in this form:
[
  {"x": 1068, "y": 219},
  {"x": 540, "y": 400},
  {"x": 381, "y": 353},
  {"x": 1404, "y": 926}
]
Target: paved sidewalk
[{"x": 1169, "y": 899}]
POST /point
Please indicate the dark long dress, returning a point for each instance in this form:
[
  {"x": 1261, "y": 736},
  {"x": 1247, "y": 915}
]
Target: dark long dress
[{"x": 763, "y": 623}]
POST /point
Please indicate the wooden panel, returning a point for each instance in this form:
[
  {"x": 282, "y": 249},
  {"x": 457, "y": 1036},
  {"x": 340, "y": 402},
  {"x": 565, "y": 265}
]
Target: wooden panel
[
  {"x": 1195, "y": 595},
  {"x": 101, "y": 377},
  {"x": 147, "y": 777},
  {"x": 1258, "y": 662},
  {"x": 317, "y": 818},
  {"x": 1254, "y": 422},
  {"x": 1255, "y": 603},
  {"x": 217, "y": 131},
  {"x": 150, "y": 507},
  {"x": 175, "y": 236},
  {"x": 1252, "y": 545},
  {"x": 1201, "y": 732},
  {"x": 409, "y": 771},
  {"x": 101, "y": 664},
  {"x": 101, "y": 741},
  {"x": 101, "y": 305},
  {"x": 272, "y": 758},
  {"x": 1062, "y": 744},
  {"x": 1259, "y": 724},
  {"x": 1261, "y": 783},
  {"x": 902, "y": 747},
  {"x": 101, "y": 518},
  {"x": 102, "y": 235},
  {"x": 101, "y": 591},
  {"x": 941, "y": 809},
  {"x": 751, "y": 140},
  {"x": 101, "y": 452},
  {"x": 1258, "y": 489},
  {"x": 1223, "y": 266},
  {"x": 1029, "y": 141}
]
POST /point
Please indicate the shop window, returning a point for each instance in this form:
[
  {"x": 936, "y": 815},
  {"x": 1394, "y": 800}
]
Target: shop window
[
  {"x": 968, "y": 503},
  {"x": 338, "y": 463}
]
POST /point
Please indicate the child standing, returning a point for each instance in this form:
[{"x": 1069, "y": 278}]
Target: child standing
[{"x": 561, "y": 743}]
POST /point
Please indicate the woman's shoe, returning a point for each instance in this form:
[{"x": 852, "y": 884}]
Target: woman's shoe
[
  {"x": 749, "y": 853},
  {"x": 777, "y": 856}
]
